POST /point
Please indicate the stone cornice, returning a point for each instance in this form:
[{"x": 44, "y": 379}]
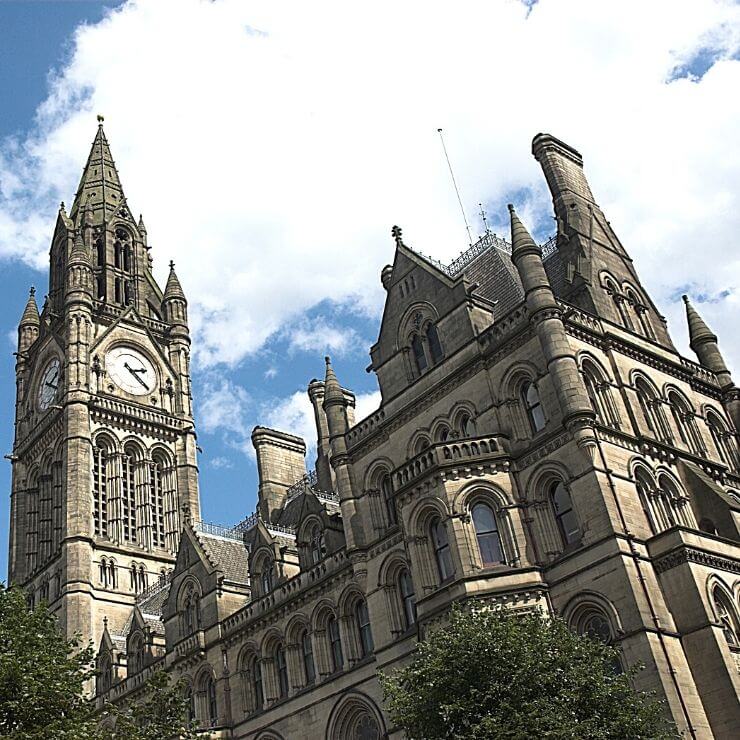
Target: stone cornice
[{"x": 683, "y": 555}]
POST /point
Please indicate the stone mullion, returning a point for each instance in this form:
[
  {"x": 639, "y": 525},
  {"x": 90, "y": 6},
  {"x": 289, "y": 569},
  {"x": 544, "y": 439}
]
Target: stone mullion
[
  {"x": 270, "y": 685},
  {"x": 508, "y": 537},
  {"x": 377, "y": 516},
  {"x": 350, "y": 638},
  {"x": 545, "y": 518}
]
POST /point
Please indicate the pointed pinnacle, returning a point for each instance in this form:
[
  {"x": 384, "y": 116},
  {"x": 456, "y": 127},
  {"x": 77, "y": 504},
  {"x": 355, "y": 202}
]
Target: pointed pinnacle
[
  {"x": 332, "y": 389},
  {"x": 173, "y": 289},
  {"x": 397, "y": 234},
  {"x": 521, "y": 239},
  {"x": 699, "y": 332},
  {"x": 141, "y": 224},
  {"x": 31, "y": 311}
]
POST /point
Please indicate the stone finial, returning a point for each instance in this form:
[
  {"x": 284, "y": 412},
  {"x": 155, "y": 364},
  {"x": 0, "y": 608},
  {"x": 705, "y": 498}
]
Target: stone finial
[
  {"x": 100, "y": 120},
  {"x": 397, "y": 234}
]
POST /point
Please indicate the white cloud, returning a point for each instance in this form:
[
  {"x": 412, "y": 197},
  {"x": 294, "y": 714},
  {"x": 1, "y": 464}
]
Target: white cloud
[
  {"x": 320, "y": 336},
  {"x": 224, "y": 408},
  {"x": 220, "y": 462},
  {"x": 293, "y": 414},
  {"x": 366, "y": 403},
  {"x": 271, "y": 146}
]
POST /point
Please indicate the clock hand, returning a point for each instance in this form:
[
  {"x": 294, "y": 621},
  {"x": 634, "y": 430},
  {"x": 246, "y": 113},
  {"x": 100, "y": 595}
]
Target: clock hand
[
  {"x": 133, "y": 372},
  {"x": 51, "y": 385}
]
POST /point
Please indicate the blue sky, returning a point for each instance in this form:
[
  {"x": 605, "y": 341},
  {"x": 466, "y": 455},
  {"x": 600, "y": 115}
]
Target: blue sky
[{"x": 271, "y": 147}]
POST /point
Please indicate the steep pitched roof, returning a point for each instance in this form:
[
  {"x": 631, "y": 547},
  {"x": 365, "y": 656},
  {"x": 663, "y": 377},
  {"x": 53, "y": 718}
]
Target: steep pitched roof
[
  {"x": 100, "y": 185},
  {"x": 226, "y": 554}
]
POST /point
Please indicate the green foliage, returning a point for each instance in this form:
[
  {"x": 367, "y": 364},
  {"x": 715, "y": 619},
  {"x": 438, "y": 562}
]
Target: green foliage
[
  {"x": 495, "y": 674},
  {"x": 162, "y": 714},
  {"x": 42, "y": 675}
]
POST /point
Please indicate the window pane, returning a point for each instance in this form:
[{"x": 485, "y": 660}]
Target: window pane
[
  {"x": 435, "y": 348},
  {"x": 483, "y": 519},
  {"x": 418, "y": 349}
]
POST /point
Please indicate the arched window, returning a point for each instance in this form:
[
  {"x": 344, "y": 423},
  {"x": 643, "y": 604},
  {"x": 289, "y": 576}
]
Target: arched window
[
  {"x": 441, "y": 545},
  {"x": 533, "y": 406},
  {"x": 188, "y": 694},
  {"x": 105, "y": 675},
  {"x": 100, "y": 252},
  {"x": 565, "y": 516},
  {"x": 708, "y": 526},
  {"x": 683, "y": 417},
  {"x": 652, "y": 411},
  {"x": 208, "y": 703},
  {"x": 408, "y": 597},
  {"x": 128, "y": 493},
  {"x": 265, "y": 575},
  {"x": 592, "y": 622},
  {"x": 136, "y": 657},
  {"x": 487, "y": 534},
  {"x": 646, "y": 492},
  {"x": 307, "y": 653},
  {"x": 417, "y": 349},
  {"x": 727, "y": 617},
  {"x": 421, "y": 444},
  {"x": 642, "y": 322},
  {"x": 257, "y": 692},
  {"x": 435, "y": 347},
  {"x": 156, "y": 492},
  {"x": 386, "y": 490},
  {"x": 364, "y": 631},
  {"x": 316, "y": 544},
  {"x": 599, "y": 393},
  {"x": 191, "y": 611},
  {"x": 282, "y": 670},
  {"x": 108, "y": 573},
  {"x": 443, "y": 434},
  {"x": 466, "y": 426},
  {"x": 335, "y": 644},
  {"x": 619, "y": 303},
  {"x": 723, "y": 441}
]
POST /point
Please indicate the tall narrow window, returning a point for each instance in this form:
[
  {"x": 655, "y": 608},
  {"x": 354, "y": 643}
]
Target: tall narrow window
[
  {"x": 282, "y": 671},
  {"x": 257, "y": 693},
  {"x": 417, "y": 348},
  {"x": 683, "y": 417},
  {"x": 727, "y": 618},
  {"x": 723, "y": 441},
  {"x": 316, "y": 544},
  {"x": 100, "y": 252},
  {"x": 466, "y": 426},
  {"x": 565, "y": 516},
  {"x": 435, "y": 347},
  {"x": 533, "y": 407},
  {"x": 266, "y": 576},
  {"x": 364, "y": 631},
  {"x": 211, "y": 699},
  {"x": 128, "y": 495},
  {"x": 652, "y": 411},
  {"x": 308, "y": 664},
  {"x": 408, "y": 598},
  {"x": 45, "y": 507},
  {"x": 487, "y": 534},
  {"x": 441, "y": 546},
  {"x": 335, "y": 643},
  {"x": 100, "y": 491},
  {"x": 156, "y": 492},
  {"x": 386, "y": 489}
]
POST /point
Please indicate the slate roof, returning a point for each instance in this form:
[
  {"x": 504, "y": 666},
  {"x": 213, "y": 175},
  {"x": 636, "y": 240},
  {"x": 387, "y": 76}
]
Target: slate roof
[{"x": 228, "y": 555}]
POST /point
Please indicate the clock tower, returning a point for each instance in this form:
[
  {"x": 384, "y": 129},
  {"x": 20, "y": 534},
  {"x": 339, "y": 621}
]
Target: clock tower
[{"x": 104, "y": 458}]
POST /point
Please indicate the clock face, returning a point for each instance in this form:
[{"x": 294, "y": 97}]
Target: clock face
[
  {"x": 131, "y": 371},
  {"x": 49, "y": 384}
]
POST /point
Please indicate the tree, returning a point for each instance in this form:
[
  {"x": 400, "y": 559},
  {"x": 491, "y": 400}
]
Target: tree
[
  {"x": 164, "y": 713},
  {"x": 42, "y": 675},
  {"x": 492, "y": 673}
]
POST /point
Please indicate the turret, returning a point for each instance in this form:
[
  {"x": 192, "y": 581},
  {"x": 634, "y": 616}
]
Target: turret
[
  {"x": 174, "y": 304},
  {"x": 703, "y": 341},
  {"x": 30, "y": 323},
  {"x": 337, "y": 407},
  {"x": 546, "y": 317}
]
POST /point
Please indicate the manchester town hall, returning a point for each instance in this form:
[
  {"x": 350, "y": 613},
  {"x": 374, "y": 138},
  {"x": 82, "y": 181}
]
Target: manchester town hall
[{"x": 540, "y": 444}]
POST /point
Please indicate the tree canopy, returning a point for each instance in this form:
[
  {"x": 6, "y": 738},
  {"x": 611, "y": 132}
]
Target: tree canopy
[
  {"x": 44, "y": 679},
  {"x": 42, "y": 675},
  {"x": 494, "y": 673}
]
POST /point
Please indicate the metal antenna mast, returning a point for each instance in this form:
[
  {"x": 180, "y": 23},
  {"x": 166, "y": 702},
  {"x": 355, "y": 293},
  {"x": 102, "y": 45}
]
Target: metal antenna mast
[{"x": 454, "y": 183}]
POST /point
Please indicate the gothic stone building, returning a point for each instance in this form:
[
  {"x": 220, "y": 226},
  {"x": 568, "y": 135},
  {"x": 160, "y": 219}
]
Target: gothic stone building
[{"x": 540, "y": 444}]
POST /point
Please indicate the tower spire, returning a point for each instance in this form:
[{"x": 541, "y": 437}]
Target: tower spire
[{"x": 100, "y": 185}]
